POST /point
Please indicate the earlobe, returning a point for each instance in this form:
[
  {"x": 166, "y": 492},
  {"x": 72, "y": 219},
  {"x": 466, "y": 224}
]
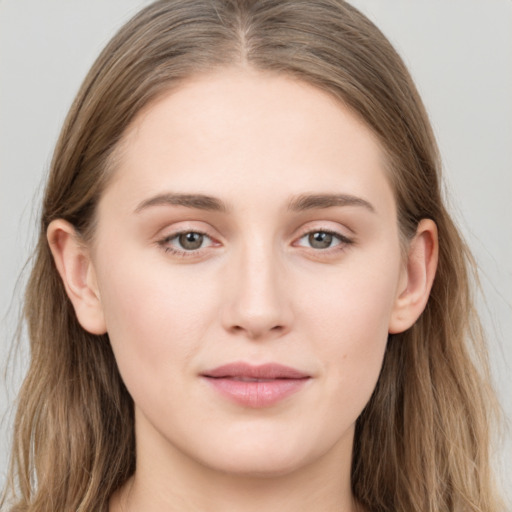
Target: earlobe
[
  {"x": 77, "y": 272},
  {"x": 420, "y": 271}
]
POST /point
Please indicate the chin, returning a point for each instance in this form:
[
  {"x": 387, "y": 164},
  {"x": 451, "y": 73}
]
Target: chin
[
  {"x": 262, "y": 456},
  {"x": 260, "y": 465}
]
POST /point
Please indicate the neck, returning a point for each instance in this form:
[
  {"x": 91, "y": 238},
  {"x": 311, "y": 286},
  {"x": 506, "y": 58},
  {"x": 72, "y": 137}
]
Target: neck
[
  {"x": 223, "y": 493},
  {"x": 179, "y": 483}
]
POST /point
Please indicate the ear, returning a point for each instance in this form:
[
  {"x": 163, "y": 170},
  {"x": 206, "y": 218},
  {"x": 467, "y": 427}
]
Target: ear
[
  {"x": 76, "y": 270},
  {"x": 418, "y": 277}
]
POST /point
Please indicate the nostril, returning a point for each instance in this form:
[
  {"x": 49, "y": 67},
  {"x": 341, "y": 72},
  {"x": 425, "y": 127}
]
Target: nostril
[{"x": 256, "y": 331}]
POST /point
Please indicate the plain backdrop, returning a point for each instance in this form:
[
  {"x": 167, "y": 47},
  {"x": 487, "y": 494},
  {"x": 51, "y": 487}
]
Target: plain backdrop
[{"x": 459, "y": 53}]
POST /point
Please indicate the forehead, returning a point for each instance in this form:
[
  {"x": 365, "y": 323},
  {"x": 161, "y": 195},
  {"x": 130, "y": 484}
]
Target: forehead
[{"x": 221, "y": 133}]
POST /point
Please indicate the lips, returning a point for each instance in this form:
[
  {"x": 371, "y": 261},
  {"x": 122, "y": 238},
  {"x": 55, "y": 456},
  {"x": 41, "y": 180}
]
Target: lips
[{"x": 255, "y": 386}]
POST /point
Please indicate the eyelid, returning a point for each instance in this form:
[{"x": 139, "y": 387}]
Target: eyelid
[
  {"x": 343, "y": 240},
  {"x": 164, "y": 242},
  {"x": 326, "y": 229},
  {"x": 172, "y": 229}
]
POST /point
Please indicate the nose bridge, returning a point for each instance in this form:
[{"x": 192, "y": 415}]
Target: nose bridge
[{"x": 258, "y": 304}]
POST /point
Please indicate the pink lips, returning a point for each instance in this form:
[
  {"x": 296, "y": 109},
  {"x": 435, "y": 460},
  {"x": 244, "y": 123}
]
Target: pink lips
[{"x": 256, "y": 386}]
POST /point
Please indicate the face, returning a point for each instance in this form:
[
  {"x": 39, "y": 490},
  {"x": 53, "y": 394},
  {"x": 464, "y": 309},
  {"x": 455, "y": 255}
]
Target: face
[{"x": 248, "y": 264}]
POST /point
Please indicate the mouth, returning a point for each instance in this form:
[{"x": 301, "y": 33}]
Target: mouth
[{"x": 255, "y": 386}]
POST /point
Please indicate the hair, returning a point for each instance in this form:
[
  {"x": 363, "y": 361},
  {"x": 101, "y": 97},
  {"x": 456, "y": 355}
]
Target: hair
[{"x": 422, "y": 442}]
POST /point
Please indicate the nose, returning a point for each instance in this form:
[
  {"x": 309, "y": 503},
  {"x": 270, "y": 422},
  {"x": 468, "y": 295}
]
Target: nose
[{"x": 258, "y": 299}]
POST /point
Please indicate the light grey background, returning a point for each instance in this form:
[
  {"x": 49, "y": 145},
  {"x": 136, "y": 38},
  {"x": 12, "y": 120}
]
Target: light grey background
[{"x": 459, "y": 52}]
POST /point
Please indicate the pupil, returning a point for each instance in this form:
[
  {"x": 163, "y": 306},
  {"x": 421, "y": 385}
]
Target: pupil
[
  {"x": 191, "y": 240},
  {"x": 320, "y": 240}
]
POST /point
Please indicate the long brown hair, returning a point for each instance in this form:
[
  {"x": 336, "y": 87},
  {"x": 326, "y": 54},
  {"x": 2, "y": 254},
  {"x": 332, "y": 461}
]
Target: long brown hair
[{"x": 422, "y": 442}]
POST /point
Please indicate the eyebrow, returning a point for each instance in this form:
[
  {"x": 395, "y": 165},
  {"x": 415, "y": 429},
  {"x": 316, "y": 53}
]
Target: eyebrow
[
  {"x": 197, "y": 201},
  {"x": 299, "y": 203},
  {"x": 305, "y": 202}
]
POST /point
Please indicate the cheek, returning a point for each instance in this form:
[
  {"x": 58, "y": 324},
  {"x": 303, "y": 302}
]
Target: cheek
[
  {"x": 155, "y": 321},
  {"x": 353, "y": 303},
  {"x": 347, "y": 319}
]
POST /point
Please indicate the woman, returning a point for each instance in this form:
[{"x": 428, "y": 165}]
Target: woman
[{"x": 247, "y": 292}]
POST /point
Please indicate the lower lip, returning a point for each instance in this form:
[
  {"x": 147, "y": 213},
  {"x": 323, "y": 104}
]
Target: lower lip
[{"x": 256, "y": 394}]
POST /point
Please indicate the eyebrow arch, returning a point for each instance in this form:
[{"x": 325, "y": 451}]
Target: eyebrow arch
[
  {"x": 305, "y": 202},
  {"x": 198, "y": 201}
]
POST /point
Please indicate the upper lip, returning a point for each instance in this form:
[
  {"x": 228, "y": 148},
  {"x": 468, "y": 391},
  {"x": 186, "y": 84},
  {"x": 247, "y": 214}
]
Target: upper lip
[{"x": 263, "y": 371}]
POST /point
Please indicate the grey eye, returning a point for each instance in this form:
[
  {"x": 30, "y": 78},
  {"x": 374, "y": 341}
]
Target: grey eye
[
  {"x": 320, "y": 240},
  {"x": 190, "y": 240}
]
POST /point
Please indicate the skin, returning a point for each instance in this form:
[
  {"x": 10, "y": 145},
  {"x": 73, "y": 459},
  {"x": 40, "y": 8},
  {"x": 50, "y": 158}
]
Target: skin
[{"x": 258, "y": 290}]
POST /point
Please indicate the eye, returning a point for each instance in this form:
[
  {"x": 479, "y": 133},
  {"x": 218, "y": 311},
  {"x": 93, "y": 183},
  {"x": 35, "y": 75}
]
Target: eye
[
  {"x": 190, "y": 241},
  {"x": 185, "y": 242},
  {"x": 323, "y": 239}
]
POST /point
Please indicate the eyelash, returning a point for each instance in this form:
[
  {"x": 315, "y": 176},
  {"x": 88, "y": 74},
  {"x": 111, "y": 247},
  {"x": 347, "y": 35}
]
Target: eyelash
[{"x": 164, "y": 242}]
